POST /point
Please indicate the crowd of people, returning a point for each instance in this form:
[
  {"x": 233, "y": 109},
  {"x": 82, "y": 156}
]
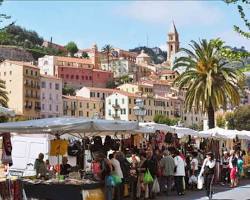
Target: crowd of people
[{"x": 169, "y": 168}]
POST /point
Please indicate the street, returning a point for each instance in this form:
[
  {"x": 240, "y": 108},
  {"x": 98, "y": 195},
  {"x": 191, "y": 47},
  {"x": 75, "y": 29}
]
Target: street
[{"x": 221, "y": 193}]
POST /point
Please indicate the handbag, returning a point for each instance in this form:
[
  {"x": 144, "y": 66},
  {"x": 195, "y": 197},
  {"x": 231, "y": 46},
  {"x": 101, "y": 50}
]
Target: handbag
[
  {"x": 192, "y": 180},
  {"x": 148, "y": 177},
  {"x": 156, "y": 186},
  {"x": 200, "y": 182},
  {"x": 117, "y": 179}
]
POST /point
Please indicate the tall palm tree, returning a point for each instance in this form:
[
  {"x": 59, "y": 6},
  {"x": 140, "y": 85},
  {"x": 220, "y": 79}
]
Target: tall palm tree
[
  {"x": 107, "y": 49},
  {"x": 210, "y": 81},
  {"x": 3, "y": 94}
]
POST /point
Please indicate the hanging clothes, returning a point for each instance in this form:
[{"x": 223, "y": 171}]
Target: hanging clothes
[
  {"x": 7, "y": 149},
  {"x": 58, "y": 147}
]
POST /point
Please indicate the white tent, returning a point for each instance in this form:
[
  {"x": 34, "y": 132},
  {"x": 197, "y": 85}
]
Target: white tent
[
  {"x": 243, "y": 135},
  {"x": 6, "y": 112},
  {"x": 67, "y": 125},
  {"x": 219, "y": 133},
  {"x": 151, "y": 127},
  {"x": 183, "y": 131}
]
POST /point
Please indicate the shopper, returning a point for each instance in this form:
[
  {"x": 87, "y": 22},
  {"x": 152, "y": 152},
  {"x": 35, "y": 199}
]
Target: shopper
[
  {"x": 225, "y": 171},
  {"x": 117, "y": 171},
  {"x": 239, "y": 167},
  {"x": 141, "y": 170},
  {"x": 167, "y": 166},
  {"x": 179, "y": 173},
  {"x": 233, "y": 168},
  {"x": 208, "y": 171}
]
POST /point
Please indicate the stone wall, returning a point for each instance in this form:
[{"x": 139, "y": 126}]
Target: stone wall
[{"x": 15, "y": 53}]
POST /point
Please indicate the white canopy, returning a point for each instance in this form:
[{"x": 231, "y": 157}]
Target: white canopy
[
  {"x": 67, "y": 125},
  {"x": 6, "y": 112},
  {"x": 183, "y": 131},
  {"x": 219, "y": 133},
  {"x": 151, "y": 127},
  {"x": 243, "y": 135}
]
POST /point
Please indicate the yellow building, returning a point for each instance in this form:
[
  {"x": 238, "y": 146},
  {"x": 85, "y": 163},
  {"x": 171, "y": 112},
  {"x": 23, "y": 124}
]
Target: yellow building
[
  {"x": 23, "y": 87},
  {"x": 137, "y": 88},
  {"x": 82, "y": 107}
]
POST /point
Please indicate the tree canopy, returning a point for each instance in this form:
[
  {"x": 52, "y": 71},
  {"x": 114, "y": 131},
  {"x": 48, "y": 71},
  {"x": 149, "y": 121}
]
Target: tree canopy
[
  {"x": 161, "y": 119},
  {"x": 72, "y": 48}
]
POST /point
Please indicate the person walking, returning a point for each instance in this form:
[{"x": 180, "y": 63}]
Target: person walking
[
  {"x": 179, "y": 173},
  {"x": 225, "y": 173},
  {"x": 208, "y": 171},
  {"x": 167, "y": 166},
  {"x": 233, "y": 168}
]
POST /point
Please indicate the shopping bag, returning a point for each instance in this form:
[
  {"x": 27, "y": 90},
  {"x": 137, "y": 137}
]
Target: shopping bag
[
  {"x": 126, "y": 191},
  {"x": 192, "y": 180},
  {"x": 117, "y": 179},
  {"x": 200, "y": 182},
  {"x": 148, "y": 177},
  {"x": 156, "y": 186}
]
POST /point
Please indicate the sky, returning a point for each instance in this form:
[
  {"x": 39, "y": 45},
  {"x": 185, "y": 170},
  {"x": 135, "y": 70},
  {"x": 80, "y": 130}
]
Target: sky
[{"x": 127, "y": 24}]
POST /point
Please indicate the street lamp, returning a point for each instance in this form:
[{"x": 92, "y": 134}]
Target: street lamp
[{"x": 139, "y": 109}]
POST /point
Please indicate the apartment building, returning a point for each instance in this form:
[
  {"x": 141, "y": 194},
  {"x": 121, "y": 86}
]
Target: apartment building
[
  {"x": 51, "y": 96},
  {"x": 76, "y": 106},
  {"x": 23, "y": 87}
]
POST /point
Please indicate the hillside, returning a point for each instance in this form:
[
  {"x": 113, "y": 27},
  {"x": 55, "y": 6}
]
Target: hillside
[{"x": 157, "y": 55}]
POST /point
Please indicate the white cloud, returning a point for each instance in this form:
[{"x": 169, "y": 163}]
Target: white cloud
[
  {"x": 234, "y": 39},
  {"x": 162, "y": 12}
]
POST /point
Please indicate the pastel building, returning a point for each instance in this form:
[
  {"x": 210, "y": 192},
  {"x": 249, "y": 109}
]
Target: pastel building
[
  {"x": 74, "y": 72},
  {"x": 22, "y": 81},
  {"x": 76, "y": 106},
  {"x": 51, "y": 96}
]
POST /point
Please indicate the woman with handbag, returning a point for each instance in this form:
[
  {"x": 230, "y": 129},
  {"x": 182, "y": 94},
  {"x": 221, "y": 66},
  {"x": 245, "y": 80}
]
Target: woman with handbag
[{"x": 208, "y": 171}]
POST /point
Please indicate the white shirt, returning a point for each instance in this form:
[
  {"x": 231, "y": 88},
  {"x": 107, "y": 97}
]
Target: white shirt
[
  {"x": 194, "y": 163},
  {"x": 180, "y": 164},
  {"x": 209, "y": 163},
  {"x": 117, "y": 166}
]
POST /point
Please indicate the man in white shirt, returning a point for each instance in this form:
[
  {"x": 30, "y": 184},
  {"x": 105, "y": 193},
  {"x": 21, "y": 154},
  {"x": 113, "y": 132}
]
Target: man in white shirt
[{"x": 179, "y": 173}]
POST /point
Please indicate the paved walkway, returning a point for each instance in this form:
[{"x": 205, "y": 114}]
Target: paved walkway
[{"x": 221, "y": 193}]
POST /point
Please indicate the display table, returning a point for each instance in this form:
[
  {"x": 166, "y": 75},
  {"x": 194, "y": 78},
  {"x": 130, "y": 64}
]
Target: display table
[{"x": 58, "y": 191}]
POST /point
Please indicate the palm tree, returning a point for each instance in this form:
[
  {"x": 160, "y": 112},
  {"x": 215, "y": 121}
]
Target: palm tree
[
  {"x": 107, "y": 49},
  {"x": 3, "y": 94},
  {"x": 210, "y": 81}
]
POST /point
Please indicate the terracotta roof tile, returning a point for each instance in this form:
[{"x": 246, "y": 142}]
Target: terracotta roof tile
[
  {"x": 26, "y": 64},
  {"x": 50, "y": 77},
  {"x": 80, "y": 98},
  {"x": 76, "y": 60}
]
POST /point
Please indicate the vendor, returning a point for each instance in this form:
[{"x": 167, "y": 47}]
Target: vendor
[
  {"x": 40, "y": 166},
  {"x": 65, "y": 168}
]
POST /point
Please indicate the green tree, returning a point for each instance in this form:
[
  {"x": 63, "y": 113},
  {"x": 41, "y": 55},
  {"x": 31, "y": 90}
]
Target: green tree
[
  {"x": 211, "y": 84},
  {"x": 111, "y": 84},
  {"x": 107, "y": 49},
  {"x": 229, "y": 117},
  {"x": 162, "y": 119},
  {"x": 72, "y": 48},
  {"x": 242, "y": 118},
  {"x": 85, "y": 55},
  {"x": 68, "y": 91},
  {"x": 220, "y": 121},
  {"x": 243, "y": 16}
]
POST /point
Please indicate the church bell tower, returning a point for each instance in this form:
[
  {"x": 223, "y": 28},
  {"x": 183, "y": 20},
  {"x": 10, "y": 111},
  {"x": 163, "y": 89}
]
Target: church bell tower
[{"x": 173, "y": 42}]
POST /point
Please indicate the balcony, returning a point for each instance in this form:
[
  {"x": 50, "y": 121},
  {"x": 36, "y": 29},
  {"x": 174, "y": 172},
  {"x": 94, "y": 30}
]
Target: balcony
[
  {"x": 28, "y": 106},
  {"x": 116, "y": 106}
]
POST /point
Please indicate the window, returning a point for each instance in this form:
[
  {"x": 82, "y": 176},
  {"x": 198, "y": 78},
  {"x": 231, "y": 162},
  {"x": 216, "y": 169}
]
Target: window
[
  {"x": 124, "y": 111},
  {"x": 50, "y": 96},
  {"x": 27, "y": 71},
  {"x": 80, "y": 104},
  {"x": 87, "y": 78},
  {"x": 90, "y": 78},
  {"x": 57, "y": 86},
  {"x": 87, "y": 105},
  {"x": 43, "y": 84},
  {"x": 109, "y": 101},
  {"x": 43, "y": 95},
  {"x": 72, "y": 113},
  {"x": 129, "y": 101},
  {"x": 56, "y": 96},
  {"x": 130, "y": 111},
  {"x": 94, "y": 105},
  {"x": 72, "y": 76},
  {"x": 10, "y": 72},
  {"x": 98, "y": 94},
  {"x": 35, "y": 73},
  {"x": 50, "y": 85},
  {"x": 82, "y": 77},
  {"x": 67, "y": 76},
  {"x": 109, "y": 112},
  {"x": 50, "y": 107},
  {"x": 56, "y": 107},
  {"x": 62, "y": 75},
  {"x": 80, "y": 113},
  {"x": 77, "y": 77},
  {"x": 123, "y": 101},
  {"x": 185, "y": 118},
  {"x": 4, "y": 73},
  {"x": 43, "y": 106},
  {"x": 87, "y": 114},
  {"x": 31, "y": 72}
]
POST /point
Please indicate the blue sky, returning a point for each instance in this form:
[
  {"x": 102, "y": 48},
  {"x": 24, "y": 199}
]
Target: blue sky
[{"x": 126, "y": 24}]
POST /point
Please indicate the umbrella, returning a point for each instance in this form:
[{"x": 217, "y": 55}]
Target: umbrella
[
  {"x": 151, "y": 127},
  {"x": 183, "y": 131},
  {"x": 219, "y": 133}
]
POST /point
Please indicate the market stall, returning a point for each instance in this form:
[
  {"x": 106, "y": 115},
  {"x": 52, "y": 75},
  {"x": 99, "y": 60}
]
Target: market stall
[{"x": 77, "y": 185}]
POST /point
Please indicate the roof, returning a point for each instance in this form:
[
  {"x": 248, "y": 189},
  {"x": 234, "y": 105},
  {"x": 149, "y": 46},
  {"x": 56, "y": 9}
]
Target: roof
[
  {"x": 99, "y": 70},
  {"x": 129, "y": 94},
  {"x": 173, "y": 28},
  {"x": 80, "y": 98},
  {"x": 76, "y": 60},
  {"x": 49, "y": 77},
  {"x": 26, "y": 64},
  {"x": 143, "y": 55},
  {"x": 167, "y": 71},
  {"x": 102, "y": 89}
]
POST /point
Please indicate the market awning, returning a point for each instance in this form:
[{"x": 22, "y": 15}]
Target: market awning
[
  {"x": 151, "y": 127},
  {"x": 67, "y": 125},
  {"x": 183, "y": 131},
  {"x": 219, "y": 133},
  {"x": 6, "y": 112}
]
